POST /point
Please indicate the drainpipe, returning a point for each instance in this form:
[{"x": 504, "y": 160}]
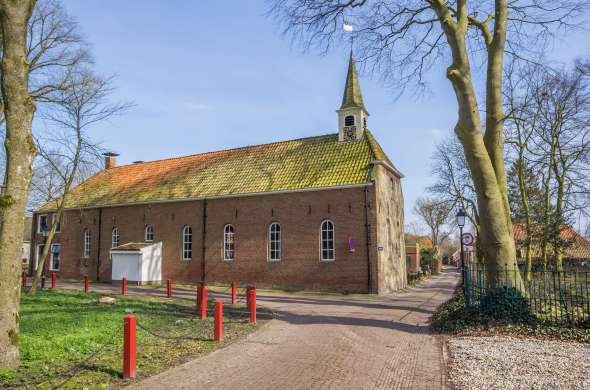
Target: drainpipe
[
  {"x": 368, "y": 240},
  {"x": 99, "y": 234},
  {"x": 204, "y": 237}
]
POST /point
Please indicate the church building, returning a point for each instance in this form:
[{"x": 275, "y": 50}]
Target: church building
[{"x": 323, "y": 212}]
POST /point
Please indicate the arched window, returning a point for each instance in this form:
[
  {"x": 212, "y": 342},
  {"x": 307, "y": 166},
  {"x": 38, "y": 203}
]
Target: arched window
[
  {"x": 327, "y": 252},
  {"x": 274, "y": 242},
  {"x": 115, "y": 237},
  {"x": 187, "y": 243},
  {"x": 228, "y": 243},
  {"x": 349, "y": 120},
  {"x": 87, "y": 243},
  {"x": 149, "y": 233}
]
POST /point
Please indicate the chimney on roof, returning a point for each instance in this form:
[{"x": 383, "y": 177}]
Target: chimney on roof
[{"x": 110, "y": 160}]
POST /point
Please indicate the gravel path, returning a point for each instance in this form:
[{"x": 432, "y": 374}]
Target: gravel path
[{"x": 502, "y": 362}]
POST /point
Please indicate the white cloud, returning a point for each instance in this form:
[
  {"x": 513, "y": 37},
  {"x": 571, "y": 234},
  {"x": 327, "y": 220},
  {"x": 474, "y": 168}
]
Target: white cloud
[
  {"x": 437, "y": 133},
  {"x": 196, "y": 107}
]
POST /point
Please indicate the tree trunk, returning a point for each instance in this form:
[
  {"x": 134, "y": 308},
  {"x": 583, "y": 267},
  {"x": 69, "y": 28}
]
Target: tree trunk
[
  {"x": 547, "y": 204},
  {"x": 483, "y": 160},
  {"x": 557, "y": 242},
  {"x": 46, "y": 249},
  {"x": 436, "y": 261},
  {"x": 527, "y": 212},
  {"x": 20, "y": 151}
]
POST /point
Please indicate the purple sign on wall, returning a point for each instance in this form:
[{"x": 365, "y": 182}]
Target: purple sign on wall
[{"x": 351, "y": 243}]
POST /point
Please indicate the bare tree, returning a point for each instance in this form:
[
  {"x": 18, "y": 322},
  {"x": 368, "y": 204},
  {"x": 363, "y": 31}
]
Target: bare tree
[
  {"x": 18, "y": 107},
  {"x": 453, "y": 184},
  {"x": 522, "y": 120},
  {"x": 402, "y": 39},
  {"x": 564, "y": 145},
  {"x": 39, "y": 44},
  {"x": 547, "y": 130},
  {"x": 70, "y": 151},
  {"x": 54, "y": 48},
  {"x": 435, "y": 213}
]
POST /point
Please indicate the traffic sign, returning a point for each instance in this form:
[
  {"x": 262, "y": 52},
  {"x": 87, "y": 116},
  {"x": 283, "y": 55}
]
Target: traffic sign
[{"x": 467, "y": 239}]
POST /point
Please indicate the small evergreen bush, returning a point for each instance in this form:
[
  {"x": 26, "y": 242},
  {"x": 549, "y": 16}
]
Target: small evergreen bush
[{"x": 505, "y": 303}]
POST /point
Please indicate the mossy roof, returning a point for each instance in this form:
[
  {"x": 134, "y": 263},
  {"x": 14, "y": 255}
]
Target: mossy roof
[{"x": 307, "y": 163}]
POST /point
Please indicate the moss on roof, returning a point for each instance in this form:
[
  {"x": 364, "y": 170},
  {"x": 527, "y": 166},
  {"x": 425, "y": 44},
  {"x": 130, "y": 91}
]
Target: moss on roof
[{"x": 306, "y": 163}]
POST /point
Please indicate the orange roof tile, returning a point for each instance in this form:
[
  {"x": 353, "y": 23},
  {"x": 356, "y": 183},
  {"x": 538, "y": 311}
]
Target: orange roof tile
[{"x": 308, "y": 163}]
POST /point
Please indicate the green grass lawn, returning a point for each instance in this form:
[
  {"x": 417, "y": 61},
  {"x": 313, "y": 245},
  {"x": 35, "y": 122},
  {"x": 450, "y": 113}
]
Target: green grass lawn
[{"x": 68, "y": 340}]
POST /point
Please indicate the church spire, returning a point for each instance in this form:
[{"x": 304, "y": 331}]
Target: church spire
[
  {"x": 352, "y": 97},
  {"x": 352, "y": 115}
]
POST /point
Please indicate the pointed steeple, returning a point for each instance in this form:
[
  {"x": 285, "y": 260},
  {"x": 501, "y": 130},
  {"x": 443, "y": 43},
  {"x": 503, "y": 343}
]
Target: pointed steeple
[
  {"x": 352, "y": 97},
  {"x": 352, "y": 115}
]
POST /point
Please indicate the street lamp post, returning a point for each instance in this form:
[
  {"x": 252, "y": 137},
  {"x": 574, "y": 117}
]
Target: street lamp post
[{"x": 461, "y": 222}]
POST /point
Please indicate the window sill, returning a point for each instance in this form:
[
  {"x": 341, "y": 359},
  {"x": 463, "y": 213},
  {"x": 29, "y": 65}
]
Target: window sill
[
  {"x": 327, "y": 260},
  {"x": 274, "y": 260},
  {"x": 229, "y": 260}
]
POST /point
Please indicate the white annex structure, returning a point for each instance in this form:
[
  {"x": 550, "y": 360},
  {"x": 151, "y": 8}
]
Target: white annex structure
[{"x": 139, "y": 262}]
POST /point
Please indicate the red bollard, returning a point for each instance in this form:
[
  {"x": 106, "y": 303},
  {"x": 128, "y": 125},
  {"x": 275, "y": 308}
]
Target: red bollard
[
  {"x": 24, "y": 279},
  {"x": 86, "y": 283},
  {"x": 129, "y": 370},
  {"x": 234, "y": 293},
  {"x": 124, "y": 286},
  {"x": 218, "y": 321},
  {"x": 169, "y": 288},
  {"x": 252, "y": 306},
  {"x": 53, "y": 280},
  {"x": 203, "y": 305}
]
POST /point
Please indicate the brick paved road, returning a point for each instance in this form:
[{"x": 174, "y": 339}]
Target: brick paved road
[{"x": 329, "y": 342}]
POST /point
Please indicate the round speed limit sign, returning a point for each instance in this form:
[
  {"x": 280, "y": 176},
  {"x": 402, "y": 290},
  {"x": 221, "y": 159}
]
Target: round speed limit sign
[{"x": 467, "y": 239}]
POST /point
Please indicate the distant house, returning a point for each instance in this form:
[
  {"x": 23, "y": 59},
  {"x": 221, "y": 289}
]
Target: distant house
[
  {"x": 577, "y": 247},
  {"x": 417, "y": 250}
]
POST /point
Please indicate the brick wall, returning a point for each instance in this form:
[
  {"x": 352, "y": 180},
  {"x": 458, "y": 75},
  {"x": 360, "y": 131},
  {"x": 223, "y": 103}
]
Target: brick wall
[{"x": 299, "y": 213}]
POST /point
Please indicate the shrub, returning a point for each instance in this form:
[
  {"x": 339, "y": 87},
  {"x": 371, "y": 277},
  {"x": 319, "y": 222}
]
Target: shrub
[{"x": 505, "y": 303}]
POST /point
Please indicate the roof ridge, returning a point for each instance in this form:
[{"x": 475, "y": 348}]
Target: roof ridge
[{"x": 226, "y": 150}]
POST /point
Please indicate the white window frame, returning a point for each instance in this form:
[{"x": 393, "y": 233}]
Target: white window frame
[
  {"x": 115, "y": 237},
  {"x": 39, "y": 230},
  {"x": 270, "y": 249},
  {"x": 333, "y": 257},
  {"x": 87, "y": 243},
  {"x": 229, "y": 254},
  {"x": 58, "y": 259},
  {"x": 148, "y": 233},
  {"x": 187, "y": 239}
]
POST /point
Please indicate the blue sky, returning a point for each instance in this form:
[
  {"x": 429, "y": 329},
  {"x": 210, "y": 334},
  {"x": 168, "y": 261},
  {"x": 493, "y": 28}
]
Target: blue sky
[{"x": 214, "y": 75}]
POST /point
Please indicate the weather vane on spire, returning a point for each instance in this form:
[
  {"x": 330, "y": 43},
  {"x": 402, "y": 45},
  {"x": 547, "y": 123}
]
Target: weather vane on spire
[{"x": 348, "y": 28}]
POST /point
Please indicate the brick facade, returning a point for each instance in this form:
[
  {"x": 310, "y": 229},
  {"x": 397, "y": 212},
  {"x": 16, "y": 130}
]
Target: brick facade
[{"x": 299, "y": 214}]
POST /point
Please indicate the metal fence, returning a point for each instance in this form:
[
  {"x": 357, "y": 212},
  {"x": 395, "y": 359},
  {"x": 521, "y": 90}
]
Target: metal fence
[{"x": 558, "y": 297}]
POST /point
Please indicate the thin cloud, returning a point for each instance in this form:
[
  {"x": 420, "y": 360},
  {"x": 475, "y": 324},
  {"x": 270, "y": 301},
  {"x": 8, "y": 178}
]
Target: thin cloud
[
  {"x": 197, "y": 107},
  {"x": 437, "y": 133}
]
